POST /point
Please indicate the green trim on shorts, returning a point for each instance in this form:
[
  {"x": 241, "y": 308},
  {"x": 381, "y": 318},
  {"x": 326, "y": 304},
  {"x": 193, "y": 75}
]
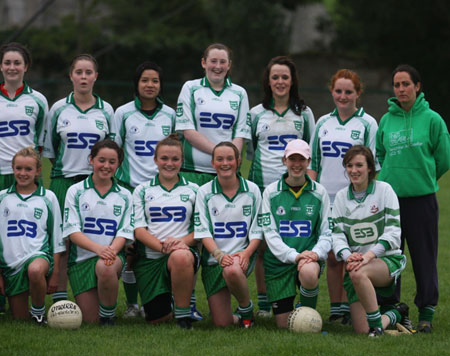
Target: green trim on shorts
[
  {"x": 82, "y": 275},
  {"x": 199, "y": 178},
  {"x": 6, "y": 180},
  {"x": 60, "y": 186},
  {"x": 396, "y": 264},
  {"x": 18, "y": 282},
  {"x": 285, "y": 283},
  {"x": 213, "y": 280}
]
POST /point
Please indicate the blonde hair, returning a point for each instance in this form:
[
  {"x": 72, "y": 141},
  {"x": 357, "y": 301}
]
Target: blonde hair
[{"x": 28, "y": 152}]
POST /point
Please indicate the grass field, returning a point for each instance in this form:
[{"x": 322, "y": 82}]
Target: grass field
[{"x": 137, "y": 338}]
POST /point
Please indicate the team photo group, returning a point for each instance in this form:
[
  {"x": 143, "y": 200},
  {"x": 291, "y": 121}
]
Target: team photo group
[{"x": 153, "y": 198}]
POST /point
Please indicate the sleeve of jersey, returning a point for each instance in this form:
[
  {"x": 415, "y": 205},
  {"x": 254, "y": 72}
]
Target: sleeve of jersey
[
  {"x": 49, "y": 126},
  {"x": 201, "y": 221},
  {"x": 139, "y": 207},
  {"x": 339, "y": 239},
  {"x": 441, "y": 146},
  {"x": 126, "y": 226},
  {"x": 40, "y": 123},
  {"x": 109, "y": 115},
  {"x": 256, "y": 231},
  {"x": 310, "y": 125},
  {"x": 56, "y": 227},
  {"x": 380, "y": 149},
  {"x": 184, "y": 120},
  {"x": 279, "y": 249},
  {"x": 315, "y": 151},
  {"x": 72, "y": 219},
  {"x": 392, "y": 230},
  {"x": 324, "y": 244},
  {"x": 251, "y": 145},
  {"x": 115, "y": 127},
  {"x": 243, "y": 124},
  {"x": 372, "y": 138}
]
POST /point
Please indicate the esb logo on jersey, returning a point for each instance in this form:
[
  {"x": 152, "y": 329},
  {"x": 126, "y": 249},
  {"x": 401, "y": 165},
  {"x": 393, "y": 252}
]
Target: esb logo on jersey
[
  {"x": 335, "y": 148},
  {"x": 167, "y": 213},
  {"x": 21, "y": 228},
  {"x": 100, "y": 226},
  {"x": 295, "y": 228},
  {"x": 144, "y": 148},
  {"x": 230, "y": 229},
  {"x": 216, "y": 120},
  {"x": 81, "y": 140},
  {"x": 14, "y": 128},
  {"x": 278, "y": 143},
  {"x": 364, "y": 233}
]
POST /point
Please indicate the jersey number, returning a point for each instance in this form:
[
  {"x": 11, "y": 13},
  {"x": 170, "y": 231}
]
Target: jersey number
[
  {"x": 22, "y": 227},
  {"x": 81, "y": 140},
  {"x": 14, "y": 128},
  {"x": 230, "y": 229},
  {"x": 100, "y": 226},
  {"x": 335, "y": 149},
  {"x": 295, "y": 228},
  {"x": 167, "y": 213},
  {"x": 216, "y": 120}
]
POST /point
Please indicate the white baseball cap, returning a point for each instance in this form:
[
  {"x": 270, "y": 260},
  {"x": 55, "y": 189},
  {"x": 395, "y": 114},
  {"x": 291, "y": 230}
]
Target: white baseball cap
[{"x": 297, "y": 147}]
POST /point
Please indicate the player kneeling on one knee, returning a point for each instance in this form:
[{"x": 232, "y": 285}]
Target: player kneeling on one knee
[{"x": 294, "y": 217}]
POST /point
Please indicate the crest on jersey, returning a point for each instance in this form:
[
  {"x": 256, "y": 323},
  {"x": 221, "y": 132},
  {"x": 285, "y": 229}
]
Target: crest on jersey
[
  {"x": 165, "y": 130},
  {"x": 6, "y": 212},
  {"x": 374, "y": 209},
  {"x": 215, "y": 211},
  {"x": 355, "y": 134},
  {"x": 234, "y": 105},
  {"x": 179, "y": 109},
  {"x": 149, "y": 197},
  {"x": 196, "y": 219},
  {"x": 347, "y": 212},
  {"x": 200, "y": 101},
  {"x": 38, "y": 213},
  {"x": 65, "y": 123},
  {"x": 281, "y": 211},
  {"x": 298, "y": 125},
  {"x": 184, "y": 197},
  {"x": 100, "y": 124},
  {"x": 247, "y": 210},
  {"x": 134, "y": 130},
  {"x": 263, "y": 219},
  {"x": 117, "y": 210},
  {"x": 309, "y": 209},
  {"x": 29, "y": 110},
  {"x": 85, "y": 207}
]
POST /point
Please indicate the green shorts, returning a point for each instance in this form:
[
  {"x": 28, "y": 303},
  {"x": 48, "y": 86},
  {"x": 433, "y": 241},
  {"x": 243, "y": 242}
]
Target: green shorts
[
  {"x": 18, "y": 282},
  {"x": 199, "y": 178},
  {"x": 213, "y": 280},
  {"x": 82, "y": 275},
  {"x": 6, "y": 180},
  {"x": 284, "y": 284},
  {"x": 60, "y": 185},
  {"x": 153, "y": 277},
  {"x": 396, "y": 264}
]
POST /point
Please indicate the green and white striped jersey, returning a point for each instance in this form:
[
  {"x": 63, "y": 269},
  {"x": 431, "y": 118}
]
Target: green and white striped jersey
[
  {"x": 359, "y": 224},
  {"x": 100, "y": 218},
  {"x": 164, "y": 213},
  {"x": 21, "y": 124},
  {"x": 30, "y": 226},
  {"x": 138, "y": 134},
  {"x": 331, "y": 141},
  {"x": 220, "y": 116},
  {"x": 292, "y": 225},
  {"x": 71, "y": 133},
  {"x": 230, "y": 222},
  {"x": 270, "y": 134}
]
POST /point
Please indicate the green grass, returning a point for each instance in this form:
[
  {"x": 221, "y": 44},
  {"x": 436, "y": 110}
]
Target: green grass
[{"x": 137, "y": 338}]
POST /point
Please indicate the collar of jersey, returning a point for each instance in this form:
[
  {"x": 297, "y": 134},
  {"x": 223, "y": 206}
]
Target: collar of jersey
[
  {"x": 358, "y": 113},
  {"x": 89, "y": 184},
  {"x": 272, "y": 106},
  {"x": 98, "y": 102},
  {"x": 283, "y": 186},
  {"x": 25, "y": 89},
  {"x": 217, "y": 189},
  {"x": 40, "y": 191},
  {"x": 205, "y": 82},
  {"x": 369, "y": 190},
  {"x": 155, "y": 181},
  {"x": 138, "y": 104}
]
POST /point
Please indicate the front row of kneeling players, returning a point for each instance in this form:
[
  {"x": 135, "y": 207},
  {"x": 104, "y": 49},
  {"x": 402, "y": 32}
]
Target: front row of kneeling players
[{"x": 227, "y": 215}]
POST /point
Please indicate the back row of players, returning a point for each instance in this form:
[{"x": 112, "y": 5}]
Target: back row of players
[{"x": 212, "y": 110}]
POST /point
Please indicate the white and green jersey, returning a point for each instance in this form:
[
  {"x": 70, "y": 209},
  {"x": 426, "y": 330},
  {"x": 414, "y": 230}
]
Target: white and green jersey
[
  {"x": 100, "y": 218},
  {"x": 71, "y": 133},
  {"x": 331, "y": 141},
  {"x": 21, "y": 124},
  {"x": 165, "y": 213},
  {"x": 219, "y": 116},
  {"x": 359, "y": 224},
  {"x": 138, "y": 134},
  {"x": 31, "y": 226},
  {"x": 294, "y": 223},
  {"x": 270, "y": 134},
  {"x": 230, "y": 222}
]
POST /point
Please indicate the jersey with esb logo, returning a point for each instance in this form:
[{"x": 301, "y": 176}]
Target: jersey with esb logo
[
  {"x": 30, "y": 227},
  {"x": 21, "y": 124},
  {"x": 359, "y": 224},
  {"x": 100, "y": 218},
  {"x": 219, "y": 116},
  {"x": 164, "y": 213},
  {"x": 332, "y": 139},
  {"x": 230, "y": 222},
  {"x": 71, "y": 133},
  {"x": 139, "y": 134}
]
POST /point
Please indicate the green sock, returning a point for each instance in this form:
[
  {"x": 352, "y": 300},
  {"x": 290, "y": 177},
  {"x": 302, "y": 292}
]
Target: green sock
[
  {"x": 374, "y": 319},
  {"x": 246, "y": 312},
  {"x": 308, "y": 297},
  {"x": 2, "y": 301},
  {"x": 394, "y": 316},
  {"x": 182, "y": 312},
  {"x": 107, "y": 311},
  {"x": 335, "y": 308},
  {"x": 130, "y": 287},
  {"x": 263, "y": 302},
  {"x": 426, "y": 313}
]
